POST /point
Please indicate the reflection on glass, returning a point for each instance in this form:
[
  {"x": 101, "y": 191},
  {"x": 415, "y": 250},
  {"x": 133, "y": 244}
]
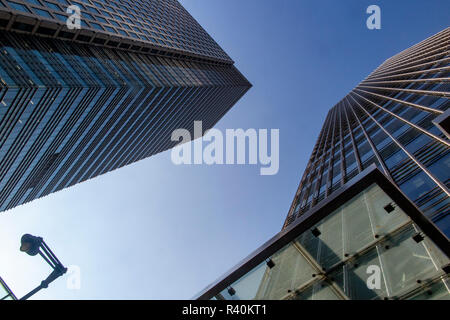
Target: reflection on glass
[
  {"x": 318, "y": 291},
  {"x": 438, "y": 290},
  {"x": 5, "y": 294},
  {"x": 353, "y": 277},
  {"x": 246, "y": 287},
  {"x": 406, "y": 263},
  {"x": 366, "y": 249},
  {"x": 291, "y": 271}
]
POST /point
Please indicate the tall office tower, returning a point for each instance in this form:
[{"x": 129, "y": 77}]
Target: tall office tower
[
  {"x": 76, "y": 103},
  {"x": 397, "y": 118},
  {"x": 360, "y": 226}
]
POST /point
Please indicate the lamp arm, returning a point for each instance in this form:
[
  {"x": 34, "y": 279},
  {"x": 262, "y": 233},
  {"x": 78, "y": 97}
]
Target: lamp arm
[
  {"x": 32, "y": 292},
  {"x": 49, "y": 253},
  {"x": 56, "y": 273}
]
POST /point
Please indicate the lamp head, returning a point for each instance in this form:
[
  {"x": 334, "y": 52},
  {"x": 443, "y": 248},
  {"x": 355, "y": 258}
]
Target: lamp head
[{"x": 30, "y": 244}]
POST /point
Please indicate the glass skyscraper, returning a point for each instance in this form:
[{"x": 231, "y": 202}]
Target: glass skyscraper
[
  {"x": 77, "y": 103},
  {"x": 389, "y": 120},
  {"x": 370, "y": 219}
]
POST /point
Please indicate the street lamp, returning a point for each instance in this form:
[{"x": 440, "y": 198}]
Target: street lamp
[{"x": 35, "y": 245}]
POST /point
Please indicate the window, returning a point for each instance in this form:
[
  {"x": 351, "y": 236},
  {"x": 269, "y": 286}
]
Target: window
[
  {"x": 344, "y": 244},
  {"x": 110, "y": 29},
  {"x": 96, "y": 26},
  {"x": 93, "y": 10},
  {"x": 52, "y": 6},
  {"x": 61, "y": 17},
  {"x": 441, "y": 168},
  {"x": 80, "y": 5},
  {"x": 444, "y": 225},
  {"x": 84, "y": 14},
  {"x": 417, "y": 185},
  {"x": 417, "y": 143},
  {"x": 34, "y": 2},
  {"x": 395, "y": 159},
  {"x": 100, "y": 19},
  {"x": 43, "y": 13},
  {"x": 18, "y": 6}
]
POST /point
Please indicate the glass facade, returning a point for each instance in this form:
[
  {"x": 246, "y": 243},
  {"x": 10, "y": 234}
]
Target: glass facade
[
  {"x": 159, "y": 25},
  {"x": 71, "y": 111},
  {"x": 388, "y": 120},
  {"x": 366, "y": 249},
  {"x": 345, "y": 236},
  {"x": 5, "y": 292}
]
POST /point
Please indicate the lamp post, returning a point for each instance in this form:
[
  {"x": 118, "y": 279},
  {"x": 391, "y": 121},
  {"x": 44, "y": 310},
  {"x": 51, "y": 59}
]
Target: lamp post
[{"x": 35, "y": 245}]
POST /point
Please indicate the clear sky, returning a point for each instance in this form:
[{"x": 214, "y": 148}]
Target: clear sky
[{"x": 154, "y": 230}]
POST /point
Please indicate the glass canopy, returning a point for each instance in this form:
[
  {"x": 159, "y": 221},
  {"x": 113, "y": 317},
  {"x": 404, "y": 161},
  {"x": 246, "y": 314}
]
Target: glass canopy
[
  {"x": 5, "y": 292},
  {"x": 368, "y": 248}
]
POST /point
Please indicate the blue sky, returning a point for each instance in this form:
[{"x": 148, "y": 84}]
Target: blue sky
[{"x": 154, "y": 230}]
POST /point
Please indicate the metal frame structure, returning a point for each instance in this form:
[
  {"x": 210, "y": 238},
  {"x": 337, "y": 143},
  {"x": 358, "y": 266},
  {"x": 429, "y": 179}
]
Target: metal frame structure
[
  {"x": 109, "y": 25},
  {"x": 443, "y": 123},
  {"x": 352, "y": 188},
  {"x": 8, "y": 290}
]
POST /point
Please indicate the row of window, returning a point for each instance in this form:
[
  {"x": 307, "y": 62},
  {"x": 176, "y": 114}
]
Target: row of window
[
  {"x": 102, "y": 115},
  {"x": 182, "y": 35}
]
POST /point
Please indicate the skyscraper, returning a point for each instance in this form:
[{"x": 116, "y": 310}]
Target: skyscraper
[
  {"x": 389, "y": 120},
  {"x": 360, "y": 225},
  {"x": 77, "y": 103}
]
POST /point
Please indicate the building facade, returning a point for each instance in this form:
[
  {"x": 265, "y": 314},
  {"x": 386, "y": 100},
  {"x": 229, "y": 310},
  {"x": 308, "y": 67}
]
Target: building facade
[
  {"x": 77, "y": 103},
  {"x": 5, "y": 292},
  {"x": 389, "y": 120},
  {"x": 368, "y": 241},
  {"x": 370, "y": 219}
]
